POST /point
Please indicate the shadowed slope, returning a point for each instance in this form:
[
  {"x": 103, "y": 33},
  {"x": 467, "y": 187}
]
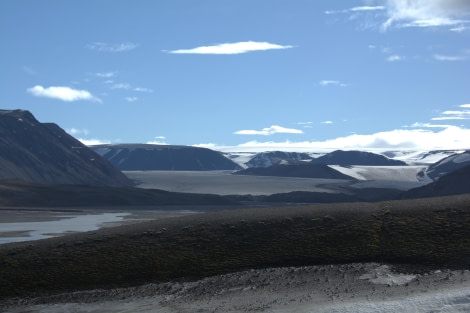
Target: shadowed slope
[{"x": 45, "y": 153}]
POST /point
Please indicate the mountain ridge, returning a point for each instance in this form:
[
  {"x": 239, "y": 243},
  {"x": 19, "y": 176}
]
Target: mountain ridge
[
  {"x": 45, "y": 153},
  {"x": 141, "y": 157}
]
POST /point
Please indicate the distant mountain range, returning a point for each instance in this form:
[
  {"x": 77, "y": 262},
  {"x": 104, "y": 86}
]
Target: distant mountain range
[
  {"x": 145, "y": 157},
  {"x": 42, "y": 153},
  {"x": 45, "y": 153}
]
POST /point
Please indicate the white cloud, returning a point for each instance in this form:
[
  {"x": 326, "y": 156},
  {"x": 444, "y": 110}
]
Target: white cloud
[
  {"x": 121, "y": 86},
  {"x": 460, "y": 29},
  {"x": 158, "y": 140},
  {"x": 327, "y": 122},
  {"x": 429, "y": 125},
  {"x": 394, "y": 58},
  {"x": 367, "y": 8},
  {"x": 106, "y": 74},
  {"x": 332, "y": 82},
  {"x": 93, "y": 142},
  {"x": 231, "y": 48},
  {"x": 357, "y": 9},
  {"x": 105, "y": 47},
  {"x": 441, "y": 57},
  {"x": 142, "y": 89},
  {"x": 131, "y": 99},
  {"x": 426, "y": 13},
  {"x": 448, "y": 137},
  {"x": 76, "y": 131},
  {"x": 455, "y": 114},
  {"x": 274, "y": 129},
  {"x": 62, "y": 93}
]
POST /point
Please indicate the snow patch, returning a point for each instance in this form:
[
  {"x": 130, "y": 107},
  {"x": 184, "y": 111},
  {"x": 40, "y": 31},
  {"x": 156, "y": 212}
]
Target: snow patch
[{"x": 383, "y": 275}]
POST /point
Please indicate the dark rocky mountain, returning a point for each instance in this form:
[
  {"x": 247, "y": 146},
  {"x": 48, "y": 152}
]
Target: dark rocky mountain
[
  {"x": 265, "y": 159},
  {"x": 447, "y": 165},
  {"x": 45, "y": 153},
  {"x": 340, "y": 157},
  {"x": 144, "y": 157},
  {"x": 304, "y": 170},
  {"x": 454, "y": 183}
]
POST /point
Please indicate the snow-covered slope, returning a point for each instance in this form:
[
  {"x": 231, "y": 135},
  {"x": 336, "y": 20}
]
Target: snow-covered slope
[
  {"x": 447, "y": 165},
  {"x": 420, "y": 157}
]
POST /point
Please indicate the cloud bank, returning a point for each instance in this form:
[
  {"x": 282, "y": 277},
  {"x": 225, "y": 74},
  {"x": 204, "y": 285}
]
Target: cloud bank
[
  {"x": 274, "y": 129},
  {"x": 427, "y": 13},
  {"x": 231, "y": 48},
  {"x": 446, "y": 137},
  {"x": 62, "y": 93}
]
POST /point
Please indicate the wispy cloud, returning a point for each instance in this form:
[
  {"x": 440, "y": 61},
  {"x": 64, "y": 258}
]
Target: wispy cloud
[
  {"x": 121, "y": 86},
  {"x": 76, "y": 131},
  {"x": 62, "y": 93},
  {"x": 142, "y": 89},
  {"x": 131, "y": 99},
  {"x": 395, "y": 58},
  {"x": 357, "y": 9},
  {"x": 158, "y": 140},
  {"x": 426, "y": 13},
  {"x": 232, "y": 48},
  {"x": 274, "y": 129},
  {"x": 441, "y": 57},
  {"x": 462, "y": 114},
  {"x": 106, "y": 47},
  {"x": 327, "y": 122},
  {"x": 332, "y": 83},
  {"x": 460, "y": 28},
  {"x": 106, "y": 74},
  {"x": 93, "y": 142},
  {"x": 29, "y": 70}
]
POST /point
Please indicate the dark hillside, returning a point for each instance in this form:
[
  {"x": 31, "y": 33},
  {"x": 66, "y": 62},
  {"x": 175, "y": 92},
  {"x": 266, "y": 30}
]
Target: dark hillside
[
  {"x": 146, "y": 157},
  {"x": 340, "y": 157},
  {"x": 45, "y": 153},
  {"x": 454, "y": 183}
]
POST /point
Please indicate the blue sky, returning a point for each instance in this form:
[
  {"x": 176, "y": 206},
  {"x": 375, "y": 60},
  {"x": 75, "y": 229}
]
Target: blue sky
[{"x": 245, "y": 74}]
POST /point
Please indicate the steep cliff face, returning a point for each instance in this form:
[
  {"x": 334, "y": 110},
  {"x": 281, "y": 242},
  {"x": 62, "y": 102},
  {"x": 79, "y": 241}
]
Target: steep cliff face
[
  {"x": 142, "y": 157},
  {"x": 45, "y": 153}
]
